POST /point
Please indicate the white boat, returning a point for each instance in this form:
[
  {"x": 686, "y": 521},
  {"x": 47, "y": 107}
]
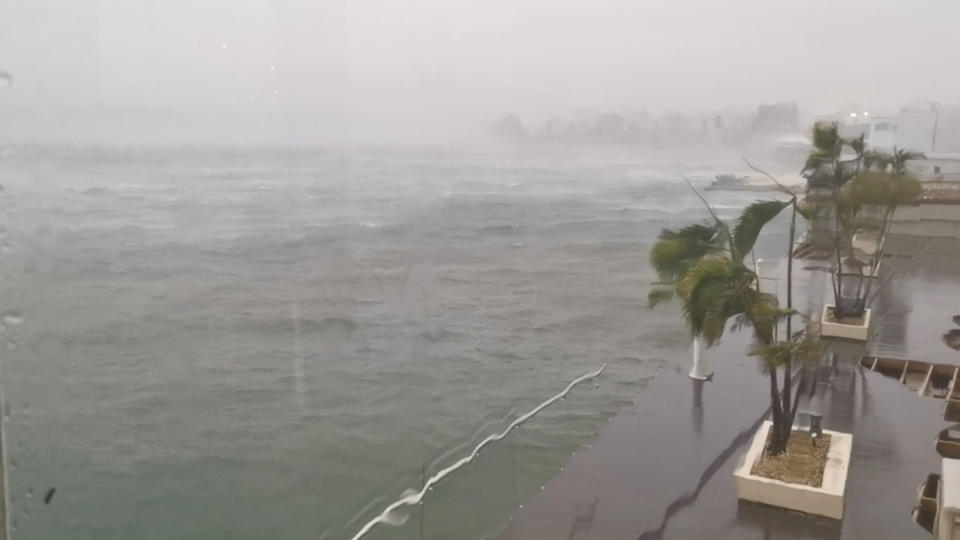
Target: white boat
[{"x": 732, "y": 182}]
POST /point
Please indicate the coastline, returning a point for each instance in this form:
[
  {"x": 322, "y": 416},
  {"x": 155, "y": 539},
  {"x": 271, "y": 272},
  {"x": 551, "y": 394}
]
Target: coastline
[{"x": 663, "y": 467}]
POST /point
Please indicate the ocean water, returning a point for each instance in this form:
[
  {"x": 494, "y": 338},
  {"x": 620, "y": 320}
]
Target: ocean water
[{"x": 275, "y": 343}]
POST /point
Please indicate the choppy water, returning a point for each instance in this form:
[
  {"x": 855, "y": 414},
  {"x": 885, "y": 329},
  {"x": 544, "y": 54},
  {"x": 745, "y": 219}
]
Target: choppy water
[{"x": 268, "y": 343}]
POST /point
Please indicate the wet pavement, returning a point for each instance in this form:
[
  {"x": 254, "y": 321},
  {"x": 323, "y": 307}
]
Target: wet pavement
[
  {"x": 652, "y": 459},
  {"x": 915, "y": 309},
  {"x": 662, "y": 469}
]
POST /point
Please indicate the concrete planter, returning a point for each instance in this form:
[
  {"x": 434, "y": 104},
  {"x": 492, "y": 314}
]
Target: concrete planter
[
  {"x": 855, "y": 272},
  {"x": 844, "y": 331},
  {"x": 826, "y": 500}
]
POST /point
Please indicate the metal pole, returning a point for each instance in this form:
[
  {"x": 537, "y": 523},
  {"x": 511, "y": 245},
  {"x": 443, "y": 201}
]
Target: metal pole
[
  {"x": 5, "y": 532},
  {"x": 936, "y": 122},
  {"x": 5, "y": 80},
  {"x": 423, "y": 504}
]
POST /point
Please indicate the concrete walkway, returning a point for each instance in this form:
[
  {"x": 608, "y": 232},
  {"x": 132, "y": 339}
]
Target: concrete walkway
[{"x": 663, "y": 468}]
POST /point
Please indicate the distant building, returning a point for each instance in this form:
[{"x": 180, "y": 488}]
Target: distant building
[
  {"x": 938, "y": 166},
  {"x": 916, "y": 131},
  {"x": 880, "y": 132},
  {"x": 932, "y": 128}
]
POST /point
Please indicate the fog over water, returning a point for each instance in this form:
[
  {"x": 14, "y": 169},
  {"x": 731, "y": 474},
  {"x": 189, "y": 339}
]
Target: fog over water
[
  {"x": 258, "y": 273},
  {"x": 254, "y": 343},
  {"x": 287, "y": 71}
]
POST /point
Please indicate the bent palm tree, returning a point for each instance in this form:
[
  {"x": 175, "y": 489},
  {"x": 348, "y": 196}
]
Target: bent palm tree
[
  {"x": 867, "y": 179},
  {"x": 704, "y": 266},
  {"x": 673, "y": 254}
]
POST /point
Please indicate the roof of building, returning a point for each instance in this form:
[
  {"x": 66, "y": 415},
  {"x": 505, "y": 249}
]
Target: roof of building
[{"x": 940, "y": 192}]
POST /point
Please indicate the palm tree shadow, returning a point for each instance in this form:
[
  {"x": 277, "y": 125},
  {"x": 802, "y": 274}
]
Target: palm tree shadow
[{"x": 689, "y": 498}]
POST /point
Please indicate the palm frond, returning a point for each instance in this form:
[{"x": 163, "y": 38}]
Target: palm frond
[
  {"x": 857, "y": 144},
  {"x": 826, "y": 137},
  {"x": 715, "y": 290},
  {"x": 900, "y": 157},
  {"x": 740, "y": 322},
  {"x": 874, "y": 160},
  {"x": 750, "y": 223},
  {"x": 817, "y": 162},
  {"x": 804, "y": 351},
  {"x": 659, "y": 295},
  {"x": 676, "y": 250}
]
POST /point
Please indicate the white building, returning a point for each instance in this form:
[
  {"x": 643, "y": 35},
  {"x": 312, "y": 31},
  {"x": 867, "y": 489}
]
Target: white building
[
  {"x": 938, "y": 166},
  {"x": 929, "y": 128},
  {"x": 916, "y": 130},
  {"x": 880, "y": 132},
  {"x": 933, "y": 128}
]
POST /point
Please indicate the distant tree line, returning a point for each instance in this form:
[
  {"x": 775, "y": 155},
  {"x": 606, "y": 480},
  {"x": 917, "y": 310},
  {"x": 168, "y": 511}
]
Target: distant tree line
[{"x": 653, "y": 130}]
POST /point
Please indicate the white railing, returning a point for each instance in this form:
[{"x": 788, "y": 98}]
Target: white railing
[{"x": 415, "y": 497}]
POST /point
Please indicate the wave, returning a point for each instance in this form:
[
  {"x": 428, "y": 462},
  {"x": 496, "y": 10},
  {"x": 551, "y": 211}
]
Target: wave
[{"x": 499, "y": 229}]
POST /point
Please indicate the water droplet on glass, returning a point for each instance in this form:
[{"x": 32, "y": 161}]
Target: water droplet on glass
[{"x": 30, "y": 493}]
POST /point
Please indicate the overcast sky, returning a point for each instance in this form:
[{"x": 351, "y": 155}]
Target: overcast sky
[{"x": 319, "y": 70}]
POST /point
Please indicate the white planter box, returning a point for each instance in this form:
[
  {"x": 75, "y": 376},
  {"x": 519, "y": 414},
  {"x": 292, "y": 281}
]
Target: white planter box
[
  {"x": 845, "y": 331},
  {"x": 855, "y": 272},
  {"x": 826, "y": 500}
]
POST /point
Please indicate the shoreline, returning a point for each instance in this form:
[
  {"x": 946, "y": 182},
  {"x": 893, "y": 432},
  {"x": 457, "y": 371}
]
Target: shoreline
[{"x": 663, "y": 467}]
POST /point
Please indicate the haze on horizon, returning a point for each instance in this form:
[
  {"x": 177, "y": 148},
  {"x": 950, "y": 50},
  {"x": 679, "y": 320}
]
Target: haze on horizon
[{"x": 294, "y": 71}]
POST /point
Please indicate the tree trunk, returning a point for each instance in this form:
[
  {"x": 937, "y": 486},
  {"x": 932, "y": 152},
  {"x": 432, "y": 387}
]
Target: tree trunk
[
  {"x": 699, "y": 369},
  {"x": 778, "y": 442},
  {"x": 838, "y": 286},
  {"x": 881, "y": 248},
  {"x": 793, "y": 229}
]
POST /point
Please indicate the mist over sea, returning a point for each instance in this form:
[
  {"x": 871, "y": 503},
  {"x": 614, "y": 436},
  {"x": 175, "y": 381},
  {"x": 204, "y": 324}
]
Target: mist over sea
[{"x": 228, "y": 343}]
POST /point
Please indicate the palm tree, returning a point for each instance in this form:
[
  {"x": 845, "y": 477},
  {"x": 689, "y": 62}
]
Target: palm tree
[
  {"x": 704, "y": 266},
  {"x": 868, "y": 179},
  {"x": 825, "y": 169},
  {"x": 673, "y": 254}
]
